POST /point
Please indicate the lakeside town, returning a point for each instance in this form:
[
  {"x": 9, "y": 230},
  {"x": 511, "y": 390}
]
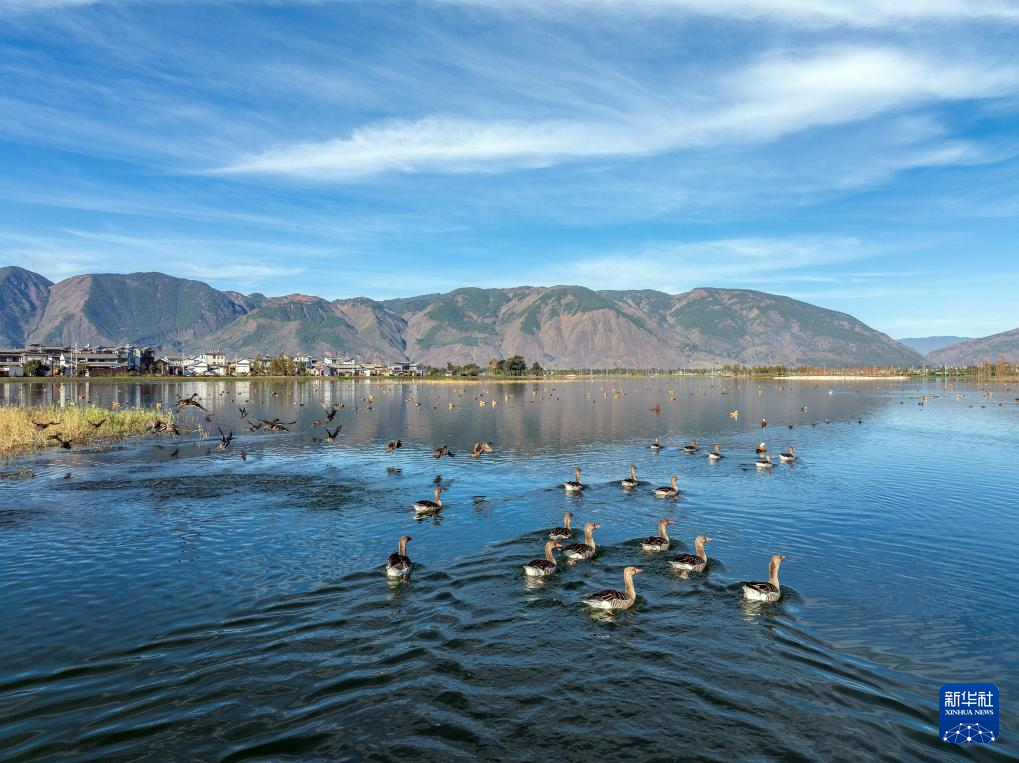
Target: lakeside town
[{"x": 43, "y": 361}]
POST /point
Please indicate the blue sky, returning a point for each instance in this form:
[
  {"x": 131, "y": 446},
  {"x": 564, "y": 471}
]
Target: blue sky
[{"x": 860, "y": 155}]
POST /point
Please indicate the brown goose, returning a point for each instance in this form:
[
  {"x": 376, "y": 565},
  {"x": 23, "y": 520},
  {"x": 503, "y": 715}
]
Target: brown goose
[
  {"x": 543, "y": 567},
  {"x": 398, "y": 564},
  {"x": 767, "y": 592},
  {"x": 585, "y": 550},
  {"x": 661, "y": 541},
  {"x": 667, "y": 491},
  {"x": 574, "y": 486},
  {"x": 610, "y": 599},
  {"x": 425, "y": 506},
  {"x": 691, "y": 448},
  {"x": 564, "y": 532},
  {"x": 629, "y": 483},
  {"x": 688, "y": 563}
]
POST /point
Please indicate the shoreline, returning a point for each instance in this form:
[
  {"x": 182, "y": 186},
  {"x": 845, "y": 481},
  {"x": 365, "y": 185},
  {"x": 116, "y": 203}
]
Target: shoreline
[{"x": 493, "y": 379}]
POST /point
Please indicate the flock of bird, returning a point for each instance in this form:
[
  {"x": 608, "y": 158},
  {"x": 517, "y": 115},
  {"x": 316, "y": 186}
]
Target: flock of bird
[{"x": 399, "y": 564}]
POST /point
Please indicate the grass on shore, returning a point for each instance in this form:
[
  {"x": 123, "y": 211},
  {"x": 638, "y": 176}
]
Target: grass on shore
[{"x": 19, "y": 433}]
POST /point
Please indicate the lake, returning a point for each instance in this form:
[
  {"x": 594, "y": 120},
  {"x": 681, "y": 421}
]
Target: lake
[{"x": 165, "y": 599}]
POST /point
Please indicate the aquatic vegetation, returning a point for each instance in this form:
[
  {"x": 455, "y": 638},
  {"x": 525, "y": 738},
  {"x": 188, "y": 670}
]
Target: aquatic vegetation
[{"x": 28, "y": 429}]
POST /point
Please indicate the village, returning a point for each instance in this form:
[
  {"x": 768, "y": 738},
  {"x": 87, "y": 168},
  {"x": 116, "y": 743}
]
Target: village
[{"x": 51, "y": 361}]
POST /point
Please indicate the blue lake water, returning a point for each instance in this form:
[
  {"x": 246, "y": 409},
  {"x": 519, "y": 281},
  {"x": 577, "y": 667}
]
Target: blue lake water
[{"x": 164, "y": 599}]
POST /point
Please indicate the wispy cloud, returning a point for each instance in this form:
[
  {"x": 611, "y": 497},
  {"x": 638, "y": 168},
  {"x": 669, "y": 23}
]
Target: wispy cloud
[
  {"x": 779, "y": 95},
  {"x": 812, "y": 13}
]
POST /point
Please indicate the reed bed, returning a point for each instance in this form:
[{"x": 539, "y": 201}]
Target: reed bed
[{"x": 76, "y": 424}]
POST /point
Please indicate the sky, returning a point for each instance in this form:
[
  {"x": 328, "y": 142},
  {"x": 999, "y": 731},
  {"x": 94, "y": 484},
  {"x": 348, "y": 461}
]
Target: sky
[{"x": 859, "y": 155}]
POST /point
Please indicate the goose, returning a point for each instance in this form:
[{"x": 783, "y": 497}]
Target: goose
[
  {"x": 788, "y": 455},
  {"x": 767, "y": 592},
  {"x": 716, "y": 454},
  {"x": 629, "y": 483},
  {"x": 764, "y": 463},
  {"x": 656, "y": 445},
  {"x": 764, "y": 423},
  {"x": 667, "y": 491},
  {"x": 692, "y": 562},
  {"x": 583, "y": 550},
  {"x": 564, "y": 532},
  {"x": 575, "y": 486},
  {"x": 398, "y": 564},
  {"x": 425, "y": 506},
  {"x": 393, "y": 445},
  {"x": 762, "y": 448},
  {"x": 691, "y": 448},
  {"x": 542, "y": 567},
  {"x": 611, "y": 599},
  {"x": 661, "y": 541}
]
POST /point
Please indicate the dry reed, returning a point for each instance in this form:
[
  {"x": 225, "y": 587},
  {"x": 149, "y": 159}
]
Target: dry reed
[{"x": 19, "y": 432}]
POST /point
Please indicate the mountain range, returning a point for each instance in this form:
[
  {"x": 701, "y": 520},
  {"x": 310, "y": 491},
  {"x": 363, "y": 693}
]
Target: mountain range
[
  {"x": 973, "y": 352},
  {"x": 928, "y": 344},
  {"x": 558, "y": 326}
]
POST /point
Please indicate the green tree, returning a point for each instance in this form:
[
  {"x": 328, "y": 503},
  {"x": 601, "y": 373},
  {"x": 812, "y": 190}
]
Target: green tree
[
  {"x": 36, "y": 368},
  {"x": 515, "y": 365},
  {"x": 536, "y": 369},
  {"x": 471, "y": 369}
]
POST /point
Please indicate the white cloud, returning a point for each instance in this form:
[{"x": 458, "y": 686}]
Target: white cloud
[
  {"x": 777, "y": 96},
  {"x": 678, "y": 267}
]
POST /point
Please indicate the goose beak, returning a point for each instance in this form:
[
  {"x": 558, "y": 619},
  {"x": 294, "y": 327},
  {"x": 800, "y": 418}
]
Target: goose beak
[{"x": 636, "y": 570}]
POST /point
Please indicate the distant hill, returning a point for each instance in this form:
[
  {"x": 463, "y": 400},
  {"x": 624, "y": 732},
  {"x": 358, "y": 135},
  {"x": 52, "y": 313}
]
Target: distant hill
[
  {"x": 23, "y": 298},
  {"x": 572, "y": 326},
  {"x": 926, "y": 344},
  {"x": 975, "y": 351},
  {"x": 139, "y": 308},
  {"x": 310, "y": 324},
  {"x": 558, "y": 326}
]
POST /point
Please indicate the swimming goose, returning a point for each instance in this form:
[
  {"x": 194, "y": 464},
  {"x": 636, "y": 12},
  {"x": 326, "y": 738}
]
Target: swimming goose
[
  {"x": 764, "y": 463},
  {"x": 762, "y": 448},
  {"x": 767, "y": 592},
  {"x": 610, "y": 599},
  {"x": 667, "y": 491},
  {"x": 393, "y": 445},
  {"x": 398, "y": 564},
  {"x": 716, "y": 454},
  {"x": 425, "y": 506},
  {"x": 691, "y": 448},
  {"x": 692, "y": 562},
  {"x": 661, "y": 542},
  {"x": 656, "y": 445},
  {"x": 583, "y": 550},
  {"x": 788, "y": 455},
  {"x": 629, "y": 483},
  {"x": 542, "y": 567},
  {"x": 575, "y": 486},
  {"x": 564, "y": 532}
]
